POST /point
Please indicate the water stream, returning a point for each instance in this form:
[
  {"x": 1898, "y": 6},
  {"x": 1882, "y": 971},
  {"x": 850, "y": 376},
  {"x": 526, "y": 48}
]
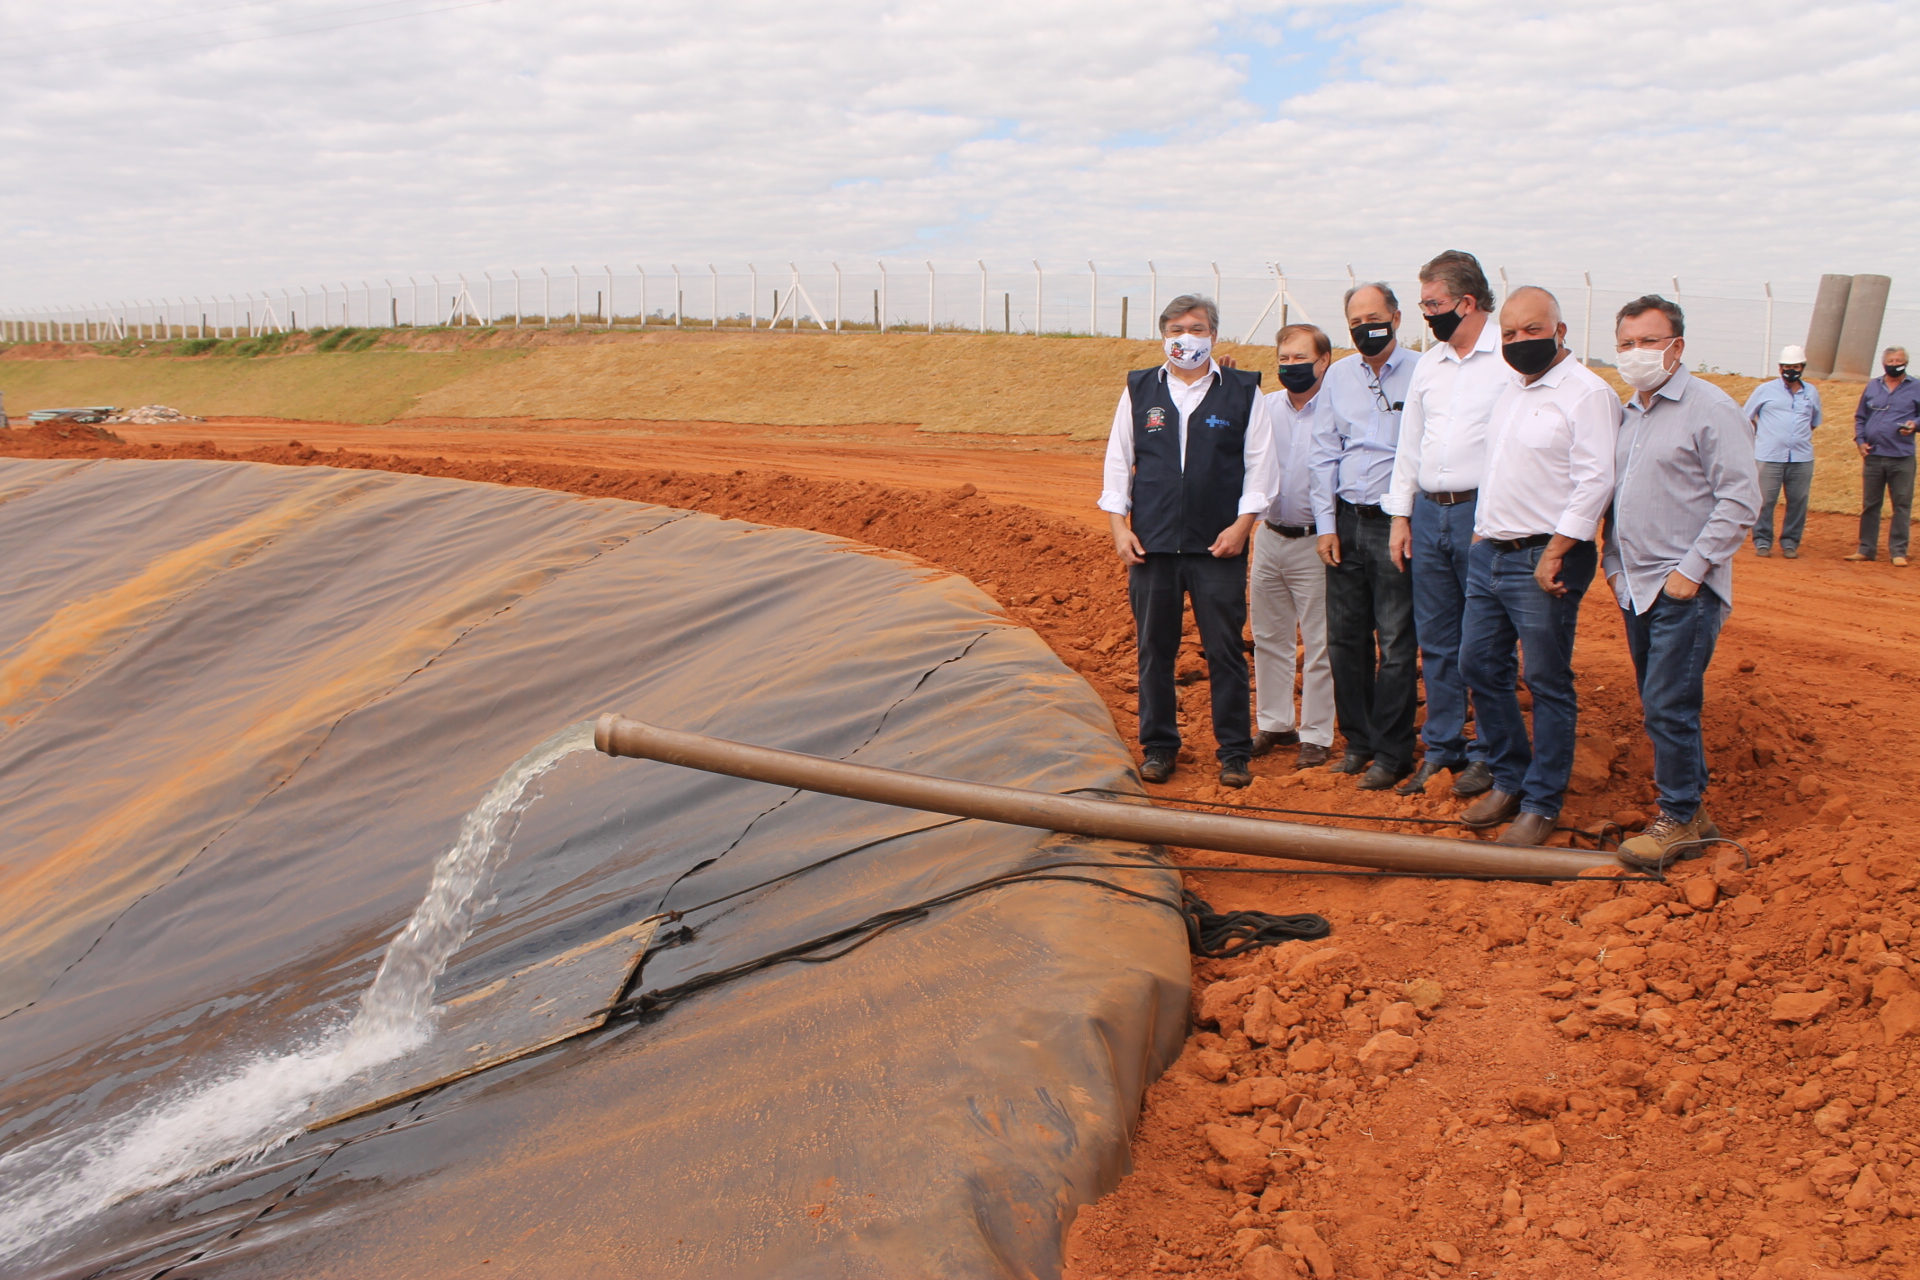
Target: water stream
[{"x": 48, "y": 1187}]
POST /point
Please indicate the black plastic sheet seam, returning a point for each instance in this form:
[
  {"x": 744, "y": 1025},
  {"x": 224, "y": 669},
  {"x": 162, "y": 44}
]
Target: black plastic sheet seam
[
  {"x": 318, "y": 746},
  {"x": 793, "y": 793}
]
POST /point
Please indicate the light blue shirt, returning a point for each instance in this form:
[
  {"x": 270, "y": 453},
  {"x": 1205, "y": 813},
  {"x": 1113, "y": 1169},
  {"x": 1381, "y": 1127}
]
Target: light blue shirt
[
  {"x": 1358, "y": 433},
  {"x": 1292, "y": 453},
  {"x": 1783, "y": 421}
]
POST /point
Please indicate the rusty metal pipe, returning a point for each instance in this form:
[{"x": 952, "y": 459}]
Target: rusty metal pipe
[{"x": 1108, "y": 819}]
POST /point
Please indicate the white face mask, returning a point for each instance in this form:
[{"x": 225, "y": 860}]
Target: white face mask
[
  {"x": 1641, "y": 369},
  {"x": 1189, "y": 350}
]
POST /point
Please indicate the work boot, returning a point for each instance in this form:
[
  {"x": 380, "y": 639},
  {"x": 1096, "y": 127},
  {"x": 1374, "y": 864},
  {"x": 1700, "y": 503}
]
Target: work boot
[
  {"x": 1791, "y": 553},
  {"x": 1490, "y": 810},
  {"x": 1234, "y": 773},
  {"x": 1416, "y": 784},
  {"x": 1528, "y": 828},
  {"x": 1352, "y": 762},
  {"x": 1158, "y": 766},
  {"x": 1383, "y": 775},
  {"x": 1763, "y": 552},
  {"x": 1476, "y": 779},
  {"x": 1858, "y": 555},
  {"x": 1667, "y": 841},
  {"x": 1264, "y": 742},
  {"x": 1312, "y": 756}
]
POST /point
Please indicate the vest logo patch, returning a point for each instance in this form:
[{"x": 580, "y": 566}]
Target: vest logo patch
[
  {"x": 1216, "y": 421},
  {"x": 1156, "y": 418}
]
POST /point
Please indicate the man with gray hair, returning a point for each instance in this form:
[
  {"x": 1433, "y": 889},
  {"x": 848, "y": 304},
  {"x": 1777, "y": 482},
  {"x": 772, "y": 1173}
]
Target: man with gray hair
[
  {"x": 1883, "y": 426},
  {"x": 1188, "y": 472},
  {"x": 1436, "y": 479},
  {"x": 1548, "y": 480},
  {"x": 1369, "y": 598},
  {"x": 1685, "y": 495}
]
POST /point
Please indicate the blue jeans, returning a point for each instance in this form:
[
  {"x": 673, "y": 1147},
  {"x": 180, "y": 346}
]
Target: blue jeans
[
  {"x": 1796, "y": 478},
  {"x": 1672, "y": 643},
  {"x": 1370, "y": 641},
  {"x": 1441, "y": 538},
  {"x": 1881, "y": 477},
  {"x": 1505, "y": 606}
]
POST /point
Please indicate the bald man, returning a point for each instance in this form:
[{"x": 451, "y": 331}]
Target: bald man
[{"x": 1548, "y": 480}]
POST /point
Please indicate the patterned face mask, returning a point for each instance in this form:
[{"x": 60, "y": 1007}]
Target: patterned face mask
[{"x": 1189, "y": 350}]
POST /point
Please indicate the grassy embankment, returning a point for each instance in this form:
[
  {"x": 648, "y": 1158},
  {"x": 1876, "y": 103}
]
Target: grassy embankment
[{"x": 1011, "y": 385}]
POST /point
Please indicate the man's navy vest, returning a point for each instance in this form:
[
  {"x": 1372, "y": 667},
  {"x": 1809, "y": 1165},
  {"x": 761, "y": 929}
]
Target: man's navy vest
[{"x": 1185, "y": 509}]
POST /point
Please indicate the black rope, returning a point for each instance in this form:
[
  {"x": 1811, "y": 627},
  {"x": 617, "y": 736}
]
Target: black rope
[{"x": 1209, "y": 933}]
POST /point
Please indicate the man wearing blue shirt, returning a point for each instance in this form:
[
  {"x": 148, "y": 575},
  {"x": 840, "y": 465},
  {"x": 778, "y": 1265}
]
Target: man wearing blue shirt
[
  {"x": 1369, "y": 598},
  {"x": 1883, "y": 428},
  {"x": 1784, "y": 413}
]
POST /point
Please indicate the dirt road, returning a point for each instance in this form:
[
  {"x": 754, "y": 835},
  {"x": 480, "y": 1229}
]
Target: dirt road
[{"x": 1704, "y": 1078}]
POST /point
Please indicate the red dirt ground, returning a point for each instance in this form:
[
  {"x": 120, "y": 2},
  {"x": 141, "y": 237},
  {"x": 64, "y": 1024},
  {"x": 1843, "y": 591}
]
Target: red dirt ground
[{"x": 1705, "y": 1078}]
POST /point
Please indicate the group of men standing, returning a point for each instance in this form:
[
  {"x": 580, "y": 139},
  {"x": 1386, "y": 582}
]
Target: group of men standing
[{"x": 1432, "y": 516}]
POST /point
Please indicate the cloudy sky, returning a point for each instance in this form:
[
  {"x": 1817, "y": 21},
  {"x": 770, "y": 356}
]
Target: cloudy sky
[{"x": 165, "y": 146}]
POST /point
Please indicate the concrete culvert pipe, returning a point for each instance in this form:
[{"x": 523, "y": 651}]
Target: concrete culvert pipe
[
  {"x": 1105, "y": 819},
  {"x": 1823, "y": 330},
  {"x": 1859, "y": 353}
]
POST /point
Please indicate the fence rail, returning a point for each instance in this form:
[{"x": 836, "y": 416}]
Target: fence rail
[{"x": 1732, "y": 327}]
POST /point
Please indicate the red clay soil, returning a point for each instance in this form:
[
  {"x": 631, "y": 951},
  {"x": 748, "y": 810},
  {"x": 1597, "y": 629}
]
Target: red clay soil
[{"x": 1705, "y": 1078}]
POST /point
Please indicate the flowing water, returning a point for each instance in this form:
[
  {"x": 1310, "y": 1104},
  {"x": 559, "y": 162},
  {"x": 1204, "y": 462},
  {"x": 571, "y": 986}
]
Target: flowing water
[{"x": 50, "y": 1186}]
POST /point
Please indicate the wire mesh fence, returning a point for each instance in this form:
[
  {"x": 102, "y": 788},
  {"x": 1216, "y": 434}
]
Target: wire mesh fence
[{"x": 1732, "y": 326}]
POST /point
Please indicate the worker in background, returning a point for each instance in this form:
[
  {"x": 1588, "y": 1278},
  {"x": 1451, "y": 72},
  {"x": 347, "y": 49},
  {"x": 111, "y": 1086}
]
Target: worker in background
[
  {"x": 1436, "y": 478},
  {"x": 1883, "y": 426},
  {"x": 1685, "y": 494},
  {"x": 1288, "y": 595},
  {"x": 1548, "y": 481},
  {"x": 1369, "y": 598},
  {"x": 1188, "y": 473},
  {"x": 1784, "y": 412}
]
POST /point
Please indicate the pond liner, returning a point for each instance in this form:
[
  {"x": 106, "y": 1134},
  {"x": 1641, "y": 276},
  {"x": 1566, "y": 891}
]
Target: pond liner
[{"x": 243, "y": 710}]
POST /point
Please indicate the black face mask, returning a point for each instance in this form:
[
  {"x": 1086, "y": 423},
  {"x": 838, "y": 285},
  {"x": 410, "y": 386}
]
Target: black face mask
[
  {"x": 1371, "y": 339},
  {"x": 1531, "y": 355},
  {"x": 1895, "y": 370},
  {"x": 1790, "y": 375},
  {"x": 1298, "y": 377},
  {"x": 1444, "y": 324}
]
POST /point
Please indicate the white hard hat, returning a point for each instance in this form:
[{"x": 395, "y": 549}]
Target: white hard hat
[{"x": 1793, "y": 355}]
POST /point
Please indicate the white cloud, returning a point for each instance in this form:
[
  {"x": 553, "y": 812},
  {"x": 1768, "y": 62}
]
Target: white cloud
[{"x": 1723, "y": 140}]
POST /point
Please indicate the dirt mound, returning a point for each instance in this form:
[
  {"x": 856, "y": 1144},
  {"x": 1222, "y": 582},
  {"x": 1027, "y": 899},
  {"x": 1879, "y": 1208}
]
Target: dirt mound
[
  {"x": 61, "y": 430},
  {"x": 1769, "y": 1129}
]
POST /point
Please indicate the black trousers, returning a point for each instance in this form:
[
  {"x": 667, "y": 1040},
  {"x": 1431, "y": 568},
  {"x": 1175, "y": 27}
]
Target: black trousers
[
  {"x": 1158, "y": 591},
  {"x": 1370, "y": 641}
]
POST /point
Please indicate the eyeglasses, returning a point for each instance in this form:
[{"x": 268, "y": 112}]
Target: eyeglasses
[
  {"x": 1647, "y": 344},
  {"x": 1435, "y": 308},
  {"x": 1373, "y": 385}
]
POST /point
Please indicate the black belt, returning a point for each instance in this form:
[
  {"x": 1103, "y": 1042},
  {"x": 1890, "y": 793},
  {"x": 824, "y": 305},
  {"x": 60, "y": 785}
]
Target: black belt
[
  {"x": 1289, "y": 530},
  {"x": 1521, "y": 544},
  {"x": 1365, "y": 508},
  {"x": 1450, "y": 499}
]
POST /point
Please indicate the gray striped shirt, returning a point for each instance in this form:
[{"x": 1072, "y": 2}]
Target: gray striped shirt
[{"x": 1686, "y": 491}]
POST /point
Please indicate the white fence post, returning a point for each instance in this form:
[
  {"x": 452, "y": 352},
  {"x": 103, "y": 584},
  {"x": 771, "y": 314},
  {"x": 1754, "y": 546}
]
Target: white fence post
[
  {"x": 1219, "y": 302},
  {"x": 488, "y": 277},
  {"x": 679, "y": 293},
  {"x": 546, "y": 304},
  {"x": 714, "y": 272},
  {"x": 1153, "y": 297},
  {"x": 516, "y": 298},
  {"x": 1586, "y": 339},
  {"x": 881, "y": 319},
  {"x": 576, "y": 296},
  {"x": 1766, "y": 352},
  {"x": 1505, "y": 289},
  {"x": 1093, "y": 299},
  {"x": 1039, "y": 296}
]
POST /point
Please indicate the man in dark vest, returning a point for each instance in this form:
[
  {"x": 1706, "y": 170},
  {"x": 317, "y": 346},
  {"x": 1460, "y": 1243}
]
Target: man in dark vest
[{"x": 1188, "y": 472}]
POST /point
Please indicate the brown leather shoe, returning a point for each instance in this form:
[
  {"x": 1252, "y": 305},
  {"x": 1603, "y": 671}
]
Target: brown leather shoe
[
  {"x": 1264, "y": 742},
  {"x": 1528, "y": 828},
  {"x": 1490, "y": 810},
  {"x": 1352, "y": 762},
  {"x": 1475, "y": 780},
  {"x": 1312, "y": 756},
  {"x": 1234, "y": 773}
]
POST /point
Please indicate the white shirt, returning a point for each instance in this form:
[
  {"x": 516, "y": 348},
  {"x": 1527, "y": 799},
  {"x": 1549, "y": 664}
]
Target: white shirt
[
  {"x": 1292, "y": 453},
  {"x": 1550, "y": 449},
  {"x": 1256, "y": 485},
  {"x": 1443, "y": 434}
]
